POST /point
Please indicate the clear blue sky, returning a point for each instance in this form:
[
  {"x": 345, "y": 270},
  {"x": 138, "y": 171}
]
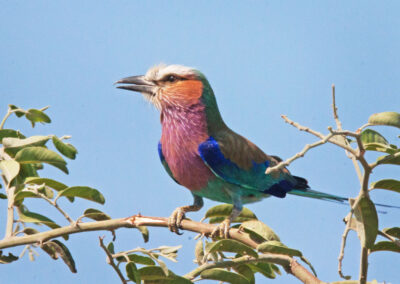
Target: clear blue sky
[{"x": 263, "y": 59}]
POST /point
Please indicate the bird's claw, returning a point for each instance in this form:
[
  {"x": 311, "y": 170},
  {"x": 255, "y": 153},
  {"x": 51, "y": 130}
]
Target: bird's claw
[
  {"x": 175, "y": 220},
  {"x": 222, "y": 230}
]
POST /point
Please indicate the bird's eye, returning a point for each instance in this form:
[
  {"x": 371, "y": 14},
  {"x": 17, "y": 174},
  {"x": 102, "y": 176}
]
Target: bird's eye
[{"x": 171, "y": 78}]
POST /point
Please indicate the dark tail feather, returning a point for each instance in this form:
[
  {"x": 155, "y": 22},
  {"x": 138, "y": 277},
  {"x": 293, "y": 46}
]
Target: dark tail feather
[{"x": 302, "y": 189}]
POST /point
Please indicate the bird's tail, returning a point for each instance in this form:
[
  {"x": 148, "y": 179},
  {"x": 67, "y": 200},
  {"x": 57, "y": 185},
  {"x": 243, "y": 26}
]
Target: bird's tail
[{"x": 302, "y": 189}]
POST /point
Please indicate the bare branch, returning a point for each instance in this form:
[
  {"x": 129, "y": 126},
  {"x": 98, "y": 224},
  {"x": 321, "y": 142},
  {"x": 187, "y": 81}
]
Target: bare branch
[
  {"x": 111, "y": 262},
  {"x": 288, "y": 263}
]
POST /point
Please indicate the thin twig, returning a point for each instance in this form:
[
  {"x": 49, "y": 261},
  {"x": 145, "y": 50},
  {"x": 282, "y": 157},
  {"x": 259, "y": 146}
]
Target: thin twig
[
  {"x": 111, "y": 262},
  {"x": 54, "y": 203},
  {"x": 306, "y": 148}
]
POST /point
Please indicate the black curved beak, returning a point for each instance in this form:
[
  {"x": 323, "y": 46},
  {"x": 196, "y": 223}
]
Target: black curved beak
[{"x": 137, "y": 84}]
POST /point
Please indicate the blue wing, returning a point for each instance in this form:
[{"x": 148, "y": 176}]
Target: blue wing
[{"x": 238, "y": 161}]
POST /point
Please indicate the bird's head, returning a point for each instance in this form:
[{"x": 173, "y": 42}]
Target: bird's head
[{"x": 169, "y": 86}]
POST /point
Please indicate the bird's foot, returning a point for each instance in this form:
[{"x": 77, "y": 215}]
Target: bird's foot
[
  {"x": 222, "y": 230},
  {"x": 175, "y": 220}
]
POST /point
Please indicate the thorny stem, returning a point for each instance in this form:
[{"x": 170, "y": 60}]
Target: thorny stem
[{"x": 111, "y": 262}]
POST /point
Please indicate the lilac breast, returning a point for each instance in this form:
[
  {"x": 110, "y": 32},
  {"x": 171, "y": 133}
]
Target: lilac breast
[{"x": 183, "y": 129}]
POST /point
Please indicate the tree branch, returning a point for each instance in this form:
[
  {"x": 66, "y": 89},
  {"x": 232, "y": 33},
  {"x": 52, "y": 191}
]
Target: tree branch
[
  {"x": 111, "y": 262},
  {"x": 288, "y": 263}
]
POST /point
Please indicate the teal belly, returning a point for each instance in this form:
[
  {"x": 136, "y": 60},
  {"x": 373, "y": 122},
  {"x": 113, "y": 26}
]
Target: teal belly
[{"x": 222, "y": 191}]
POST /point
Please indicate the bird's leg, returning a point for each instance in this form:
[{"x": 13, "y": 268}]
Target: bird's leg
[
  {"x": 174, "y": 221},
  {"x": 223, "y": 229}
]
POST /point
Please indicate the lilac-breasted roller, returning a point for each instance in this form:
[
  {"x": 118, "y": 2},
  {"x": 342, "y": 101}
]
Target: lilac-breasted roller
[{"x": 200, "y": 152}]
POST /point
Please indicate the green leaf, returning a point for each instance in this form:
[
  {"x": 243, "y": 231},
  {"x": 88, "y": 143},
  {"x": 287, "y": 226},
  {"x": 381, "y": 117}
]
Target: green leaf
[
  {"x": 372, "y": 136},
  {"x": 223, "y": 275},
  {"x": 367, "y": 222},
  {"x": 18, "y": 113},
  {"x": 7, "y": 258},
  {"x": 389, "y": 118},
  {"x": 110, "y": 248},
  {"x": 35, "y": 115},
  {"x": 390, "y": 161},
  {"x": 66, "y": 149},
  {"x": 278, "y": 247},
  {"x": 232, "y": 246},
  {"x": 11, "y": 142},
  {"x": 136, "y": 258},
  {"x": 96, "y": 215},
  {"x": 153, "y": 272},
  {"x": 57, "y": 249},
  {"x": 224, "y": 210},
  {"x": 24, "y": 194},
  {"x": 10, "y": 133},
  {"x": 259, "y": 231},
  {"x": 379, "y": 147},
  {"x": 246, "y": 271},
  {"x": 3, "y": 196},
  {"x": 9, "y": 169},
  {"x": 132, "y": 272},
  {"x": 30, "y": 231},
  {"x": 83, "y": 192},
  {"x": 145, "y": 232},
  {"x": 389, "y": 184},
  {"x": 32, "y": 217},
  {"x": 385, "y": 246},
  {"x": 395, "y": 232},
  {"x": 199, "y": 252},
  {"x": 48, "y": 182},
  {"x": 263, "y": 268},
  {"x": 39, "y": 155}
]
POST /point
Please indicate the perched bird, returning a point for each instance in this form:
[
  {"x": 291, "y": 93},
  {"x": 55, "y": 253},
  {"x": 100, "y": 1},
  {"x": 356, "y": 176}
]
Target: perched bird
[{"x": 200, "y": 152}]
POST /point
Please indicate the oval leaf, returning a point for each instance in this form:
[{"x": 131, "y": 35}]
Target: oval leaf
[
  {"x": 391, "y": 160},
  {"x": 48, "y": 182},
  {"x": 136, "y": 258},
  {"x": 10, "y": 133},
  {"x": 35, "y": 115},
  {"x": 9, "y": 169},
  {"x": 278, "y": 247},
  {"x": 11, "y": 142},
  {"x": 32, "y": 217},
  {"x": 153, "y": 272},
  {"x": 223, "y": 275},
  {"x": 389, "y": 184},
  {"x": 96, "y": 215},
  {"x": 371, "y": 136},
  {"x": 395, "y": 232},
  {"x": 224, "y": 210},
  {"x": 367, "y": 222},
  {"x": 260, "y": 230},
  {"x": 385, "y": 246},
  {"x": 389, "y": 118},
  {"x": 132, "y": 272},
  {"x": 83, "y": 192},
  {"x": 245, "y": 271},
  {"x": 57, "y": 249},
  {"x": 66, "y": 149},
  {"x": 41, "y": 155},
  {"x": 232, "y": 246},
  {"x": 263, "y": 268}
]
